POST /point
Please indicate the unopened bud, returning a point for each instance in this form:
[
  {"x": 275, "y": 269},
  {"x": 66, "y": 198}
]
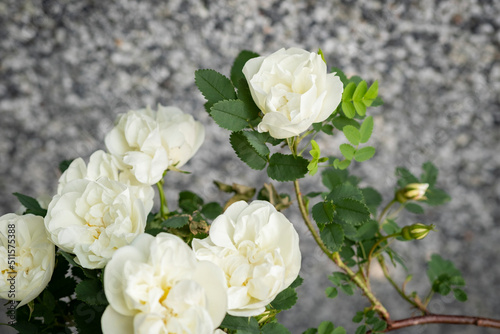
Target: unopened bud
[
  {"x": 416, "y": 231},
  {"x": 412, "y": 191}
]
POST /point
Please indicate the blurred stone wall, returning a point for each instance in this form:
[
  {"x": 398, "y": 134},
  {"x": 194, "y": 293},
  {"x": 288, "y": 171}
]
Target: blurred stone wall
[{"x": 67, "y": 68}]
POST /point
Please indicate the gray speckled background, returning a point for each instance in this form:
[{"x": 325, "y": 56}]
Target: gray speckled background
[{"x": 67, "y": 68}]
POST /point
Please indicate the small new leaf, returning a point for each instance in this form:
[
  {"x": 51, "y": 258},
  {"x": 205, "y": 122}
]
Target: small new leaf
[
  {"x": 364, "y": 153},
  {"x": 366, "y": 129},
  {"x": 348, "y": 109},
  {"x": 360, "y": 91},
  {"x": 347, "y": 151}
]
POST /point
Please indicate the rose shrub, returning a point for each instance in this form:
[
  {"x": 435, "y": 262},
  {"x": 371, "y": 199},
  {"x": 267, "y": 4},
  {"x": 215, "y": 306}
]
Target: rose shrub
[
  {"x": 33, "y": 261},
  {"x": 258, "y": 249},
  {"x": 293, "y": 90},
  {"x": 149, "y": 142},
  {"x": 156, "y": 285}
]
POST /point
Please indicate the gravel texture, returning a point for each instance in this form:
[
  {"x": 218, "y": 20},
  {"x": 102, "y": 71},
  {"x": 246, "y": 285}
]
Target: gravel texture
[{"x": 67, "y": 68}]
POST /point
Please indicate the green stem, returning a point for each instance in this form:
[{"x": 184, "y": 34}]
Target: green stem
[
  {"x": 370, "y": 254},
  {"x": 396, "y": 287},
  {"x": 387, "y": 207},
  {"x": 335, "y": 257},
  {"x": 163, "y": 200}
]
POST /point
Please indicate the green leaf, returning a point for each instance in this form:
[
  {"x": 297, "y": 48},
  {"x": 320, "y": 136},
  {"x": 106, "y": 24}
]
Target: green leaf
[
  {"x": 379, "y": 325},
  {"x": 360, "y": 91},
  {"x": 343, "y": 191},
  {"x": 366, "y": 231},
  {"x": 298, "y": 282},
  {"x": 248, "y": 153},
  {"x": 348, "y": 92},
  {"x": 285, "y": 299},
  {"x": 361, "y": 329},
  {"x": 348, "y": 109},
  {"x": 32, "y": 206},
  {"x": 430, "y": 174},
  {"x": 414, "y": 208},
  {"x": 347, "y": 151},
  {"x": 338, "y": 72},
  {"x": 372, "y": 199},
  {"x": 232, "y": 115},
  {"x": 250, "y": 325},
  {"x": 333, "y": 237},
  {"x": 331, "y": 292},
  {"x": 364, "y": 153},
  {"x": 405, "y": 177},
  {"x": 339, "y": 330},
  {"x": 63, "y": 165},
  {"x": 436, "y": 197},
  {"x": 326, "y": 327},
  {"x": 212, "y": 210},
  {"x": 91, "y": 292},
  {"x": 175, "y": 222},
  {"x": 366, "y": 129},
  {"x": 189, "y": 201},
  {"x": 359, "y": 107},
  {"x": 286, "y": 167},
  {"x": 323, "y": 212},
  {"x": 340, "y": 121},
  {"x": 358, "y": 317},
  {"x": 352, "y": 134},
  {"x": 311, "y": 331},
  {"x": 88, "y": 318},
  {"x": 356, "y": 79},
  {"x": 239, "y": 62},
  {"x": 333, "y": 177},
  {"x": 342, "y": 164},
  {"x": 377, "y": 102},
  {"x": 245, "y": 96},
  {"x": 371, "y": 94},
  {"x": 460, "y": 295},
  {"x": 443, "y": 275},
  {"x": 214, "y": 86},
  {"x": 274, "y": 328},
  {"x": 352, "y": 211}
]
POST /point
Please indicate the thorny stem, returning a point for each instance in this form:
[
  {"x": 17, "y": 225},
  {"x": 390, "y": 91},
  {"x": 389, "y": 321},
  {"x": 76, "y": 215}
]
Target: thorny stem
[{"x": 335, "y": 257}]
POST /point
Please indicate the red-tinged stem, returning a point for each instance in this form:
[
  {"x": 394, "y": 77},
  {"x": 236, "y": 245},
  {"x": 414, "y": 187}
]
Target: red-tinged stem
[{"x": 442, "y": 319}]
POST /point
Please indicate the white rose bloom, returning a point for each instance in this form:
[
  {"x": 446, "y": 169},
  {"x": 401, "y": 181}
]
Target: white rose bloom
[
  {"x": 156, "y": 285},
  {"x": 293, "y": 90},
  {"x": 149, "y": 142},
  {"x": 92, "y": 219},
  {"x": 31, "y": 257},
  {"x": 258, "y": 249},
  {"x": 102, "y": 164}
]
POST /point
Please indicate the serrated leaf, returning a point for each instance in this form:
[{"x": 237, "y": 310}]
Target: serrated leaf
[
  {"x": 211, "y": 210},
  {"x": 366, "y": 129},
  {"x": 323, "y": 212},
  {"x": 343, "y": 191},
  {"x": 360, "y": 91},
  {"x": 348, "y": 92},
  {"x": 274, "y": 328},
  {"x": 352, "y": 211},
  {"x": 372, "y": 199},
  {"x": 239, "y": 62},
  {"x": 88, "y": 318},
  {"x": 361, "y": 330},
  {"x": 326, "y": 327},
  {"x": 333, "y": 237},
  {"x": 232, "y": 115},
  {"x": 429, "y": 174},
  {"x": 331, "y": 292},
  {"x": 286, "y": 167},
  {"x": 175, "y": 222},
  {"x": 436, "y": 197},
  {"x": 248, "y": 153},
  {"x": 32, "y": 206},
  {"x": 379, "y": 326},
  {"x": 189, "y": 201},
  {"x": 358, "y": 317},
  {"x": 91, "y": 292},
  {"x": 285, "y": 299},
  {"x": 364, "y": 153},
  {"x": 405, "y": 177},
  {"x": 214, "y": 86},
  {"x": 366, "y": 231},
  {"x": 340, "y": 121},
  {"x": 339, "y": 330},
  {"x": 333, "y": 177},
  {"x": 414, "y": 208},
  {"x": 359, "y": 107},
  {"x": 352, "y": 134},
  {"x": 298, "y": 282},
  {"x": 250, "y": 325},
  {"x": 347, "y": 151},
  {"x": 348, "y": 109}
]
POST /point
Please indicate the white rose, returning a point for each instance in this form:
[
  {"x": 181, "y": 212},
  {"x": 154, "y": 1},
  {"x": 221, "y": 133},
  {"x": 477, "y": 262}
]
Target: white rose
[
  {"x": 293, "y": 90},
  {"x": 102, "y": 164},
  {"x": 156, "y": 285},
  {"x": 26, "y": 257},
  {"x": 151, "y": 141},
  {"x": 92, "y": 219},
  {"x": 258, "y": 249}
]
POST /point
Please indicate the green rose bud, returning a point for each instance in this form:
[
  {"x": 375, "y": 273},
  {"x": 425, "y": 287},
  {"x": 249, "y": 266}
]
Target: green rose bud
[
  {"x": 412, "y": 191},
  {"x": 416, "y": 231}
]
